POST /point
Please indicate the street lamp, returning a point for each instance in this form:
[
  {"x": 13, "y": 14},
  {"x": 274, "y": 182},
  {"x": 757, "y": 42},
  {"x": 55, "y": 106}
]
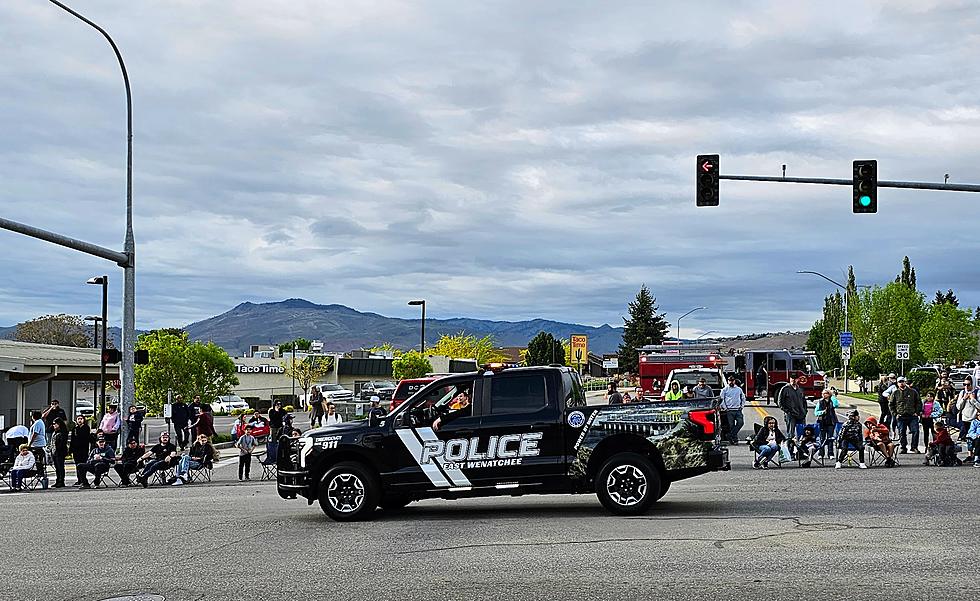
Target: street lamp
[
  {"x": 682, "y": 317},
  {"x": 416, "y": 303},
  {"x": 847, "y": 307},
  {"x": 95, "y": 319},
  {"x": 103, "y": 281}
]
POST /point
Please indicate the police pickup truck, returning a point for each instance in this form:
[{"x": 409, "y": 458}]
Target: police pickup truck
[{"x": 512, "y": 432}]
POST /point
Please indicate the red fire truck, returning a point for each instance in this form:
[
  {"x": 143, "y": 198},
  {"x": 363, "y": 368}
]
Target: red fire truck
[{"x": 762, "y": 371}]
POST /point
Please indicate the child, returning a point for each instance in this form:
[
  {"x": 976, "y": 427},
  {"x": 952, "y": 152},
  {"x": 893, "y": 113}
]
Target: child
[
  {"x": 931, "y": 410},
  {"x": 808, "y": 445},
  {"x": 943, "y": 449},
  {"x": 973, "y": 437},
  {"x": 851, "y": 439},
  {"x": 246, "y": 443},
  {"x": 878, "y": 436}
]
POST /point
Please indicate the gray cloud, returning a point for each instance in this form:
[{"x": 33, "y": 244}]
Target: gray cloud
[{"x": 505, "y": 161}]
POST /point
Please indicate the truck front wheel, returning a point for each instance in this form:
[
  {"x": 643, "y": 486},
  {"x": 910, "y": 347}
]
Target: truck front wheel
[
  {"x": 349, "y": 492},
  {"x": 628, "y": 484}
]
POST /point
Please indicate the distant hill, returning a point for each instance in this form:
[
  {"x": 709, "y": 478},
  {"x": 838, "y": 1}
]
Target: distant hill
[{"x": 342, "y": 328}]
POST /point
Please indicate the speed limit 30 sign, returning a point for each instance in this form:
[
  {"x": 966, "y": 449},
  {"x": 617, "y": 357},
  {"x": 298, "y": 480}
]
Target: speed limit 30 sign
[{"x": 902, "y": 351}]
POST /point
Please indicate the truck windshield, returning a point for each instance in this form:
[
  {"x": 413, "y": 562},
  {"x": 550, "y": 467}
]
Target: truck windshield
[{"x": 691, "y": 378}]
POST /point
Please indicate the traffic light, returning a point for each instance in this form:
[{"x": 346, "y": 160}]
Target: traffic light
[
  {"x": 111, "y": 355},
  {"x": 141, "y": 357},
  {"x": 707, "y": 177},
  {"x": 865, "y": 186}
]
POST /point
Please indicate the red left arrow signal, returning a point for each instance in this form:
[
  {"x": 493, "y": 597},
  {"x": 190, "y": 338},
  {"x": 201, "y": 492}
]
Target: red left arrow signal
[{"x": 706, "y": 167}]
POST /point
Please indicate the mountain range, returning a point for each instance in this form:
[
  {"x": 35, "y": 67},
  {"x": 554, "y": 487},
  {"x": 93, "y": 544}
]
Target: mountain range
[{"x": 342, "y": 328}]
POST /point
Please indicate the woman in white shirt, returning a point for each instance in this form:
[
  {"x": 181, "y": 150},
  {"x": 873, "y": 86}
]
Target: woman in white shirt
[{"x": 332, "y": 417}]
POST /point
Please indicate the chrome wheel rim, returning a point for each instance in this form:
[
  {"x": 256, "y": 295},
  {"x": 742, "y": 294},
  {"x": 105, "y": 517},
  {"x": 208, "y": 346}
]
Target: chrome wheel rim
[
  {"x": 626, "y": 485},
  {"x": 345, "y": 493}
]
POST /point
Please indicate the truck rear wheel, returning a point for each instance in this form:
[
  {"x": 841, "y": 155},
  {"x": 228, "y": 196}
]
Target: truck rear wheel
[
  {"x": 349, "y": 492},
  {"x": 628, "y": 484}
]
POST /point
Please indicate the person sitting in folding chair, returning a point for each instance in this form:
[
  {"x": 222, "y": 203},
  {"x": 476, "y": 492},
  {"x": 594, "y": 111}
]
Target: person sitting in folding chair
[
  {"x": 851, "y": 439},
  {"x": 878, "y": 437},
  {"x": 199, "y": 456},
  {"x": 99, "y": 461},
  {"x": 160, "y": 456},
  {"x": 767, "y": 442},
  {"x": 942, "y": 451},
  {"x": 128, "y": 461},
  {"x": 24, "y": 463},
  {"x": 807, "y": 446}
]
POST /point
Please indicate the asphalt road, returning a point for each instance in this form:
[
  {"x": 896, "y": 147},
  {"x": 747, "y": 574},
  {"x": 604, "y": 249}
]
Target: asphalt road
[{"x": 791, "y": 533}]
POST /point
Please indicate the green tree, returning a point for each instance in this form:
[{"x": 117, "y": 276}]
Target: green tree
[
  {"x": 187, "y": 368},
  {"x": 410, "y": 365},
  {"x": 644, "y": 326},
  {"x": 468, "y": 346},
  {"x": 544, "y": 349},
  {"x": 302, "y": 344},
  {"x": 886, "y": 317},
  {"x": 866, "y": 366},
  {"x": 62, "y": 330},
  {"x": 308, "y": 370},
  {"x": 907, "y": 277},
  {"x": 948, "y": 334}
]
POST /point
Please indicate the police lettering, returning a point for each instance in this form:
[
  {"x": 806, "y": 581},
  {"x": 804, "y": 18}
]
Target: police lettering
[{"x": 459, "y": 450}]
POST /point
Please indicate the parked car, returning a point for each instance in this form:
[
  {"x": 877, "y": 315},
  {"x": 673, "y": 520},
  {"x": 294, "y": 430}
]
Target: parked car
[
  {"x": 336, "y": 393},
  {"x": 87, "y": 408},
  {"x": 957, "y": 377},
  {"x": 383, "y": 389},
  {"x": 228, "y": 402}
]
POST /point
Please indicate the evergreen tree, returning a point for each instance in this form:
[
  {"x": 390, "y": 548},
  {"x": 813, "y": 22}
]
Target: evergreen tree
[
  {"x": 544, "y": 349},
  {"x": 951, "y": 298},
  {"x": 907, "y": 276},
  {"x": 644, "y": 326},
  {"x": 976, "y": 314},
  {"x": 940, "y": 298}
]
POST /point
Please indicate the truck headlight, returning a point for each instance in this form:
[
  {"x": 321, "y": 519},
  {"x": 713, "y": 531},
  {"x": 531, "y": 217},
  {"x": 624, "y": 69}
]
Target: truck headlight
[{"x": 306, "y": 446}]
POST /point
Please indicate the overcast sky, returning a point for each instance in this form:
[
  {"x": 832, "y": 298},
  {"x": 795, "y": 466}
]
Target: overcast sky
[{"x": 503, "y": 160}]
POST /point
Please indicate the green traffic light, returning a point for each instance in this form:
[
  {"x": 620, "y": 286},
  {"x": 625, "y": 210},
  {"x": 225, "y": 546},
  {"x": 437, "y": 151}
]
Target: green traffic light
[{"x": 865, "y": 201}]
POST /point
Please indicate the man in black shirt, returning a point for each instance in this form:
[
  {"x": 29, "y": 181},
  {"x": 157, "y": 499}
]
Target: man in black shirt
[
  {"x": 160, "y": 456},
  {"x": 127, "y": 463},
  {"x": 53, "y": 412},
  {"x": 275, "y": 420},
  {"x": 179, "y": 416}
]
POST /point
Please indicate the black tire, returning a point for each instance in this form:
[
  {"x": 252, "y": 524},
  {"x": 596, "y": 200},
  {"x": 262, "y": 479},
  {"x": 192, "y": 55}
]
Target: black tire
[
  {"x": 349, "y": 492},
  {"x": 628, "y": 484},
  {"x": 394, "y": 503},
  {"x": 664, "y": 487}
]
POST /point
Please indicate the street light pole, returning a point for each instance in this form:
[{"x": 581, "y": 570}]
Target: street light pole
[
  {"x": 682, "y": 317},
  {"x": 95, "y": 319},
  {"x": 128, "y": 388},
  {"x": 102, "y": 280},
  {"x": 416, "y": 303},
  {"x": 847, "y": 307}
]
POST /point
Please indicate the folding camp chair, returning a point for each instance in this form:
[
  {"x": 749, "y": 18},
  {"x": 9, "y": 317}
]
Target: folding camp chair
[
  {"x": 37, "y": 477},
  {"x": 801, "y": 453},
  {"x": 775, "y": 461},
  {"x": 268, "y": 462},
  {"x": 201, "y": 474}
]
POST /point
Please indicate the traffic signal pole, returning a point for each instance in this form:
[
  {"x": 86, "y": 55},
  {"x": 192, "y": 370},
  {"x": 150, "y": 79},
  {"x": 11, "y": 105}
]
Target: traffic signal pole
[{"x": 849, "y": 182}]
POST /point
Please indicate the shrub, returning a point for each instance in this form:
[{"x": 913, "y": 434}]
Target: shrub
[
  {"x": 237, "y": 412},
  {"x": 866, "y": 366},
  {"x": 922, "y": 380},
  {"x": 218, "y": 438}
]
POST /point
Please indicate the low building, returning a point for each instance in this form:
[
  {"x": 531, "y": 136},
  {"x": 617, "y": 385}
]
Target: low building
[
  {"x": 263, "y": 380},
  {"x": 33, "y": 374}
]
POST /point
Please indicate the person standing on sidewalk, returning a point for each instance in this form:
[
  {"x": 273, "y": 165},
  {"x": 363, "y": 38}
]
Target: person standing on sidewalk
[
  {"x": 946, "y": 396},
  {"x": 246, "y": 443},
  {"x": 826, "y": 413},
  {"x": 81, "y": 443},
  {"x": 793, "y": 404},
  {"x": 110, "y": 425},
  {"x": 931, "y": 411},
  {"x": 885, "y": 388},
  {"x": 38, "y": 434},
  {"x": 968, "y": 406},
  {"x": 180, "y": 415},
  {"x": 906, "y": 406},
  {"x": 276, "y": 415},
  {"x": 59, "y": 450},
  {"x": 612, "y": 395},
  {"x": 732, "y": 404}
]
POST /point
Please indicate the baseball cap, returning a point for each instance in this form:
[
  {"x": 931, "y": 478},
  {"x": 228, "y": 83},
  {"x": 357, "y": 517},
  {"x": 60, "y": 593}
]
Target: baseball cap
[
  {"x": 892, "y": 375},
  {"x": 902, "y": 379}
]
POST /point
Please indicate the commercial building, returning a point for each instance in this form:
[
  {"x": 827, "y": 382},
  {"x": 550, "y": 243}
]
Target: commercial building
[
  {"x": 263, "y": 379},
  {"x": 33, "y": 374}
]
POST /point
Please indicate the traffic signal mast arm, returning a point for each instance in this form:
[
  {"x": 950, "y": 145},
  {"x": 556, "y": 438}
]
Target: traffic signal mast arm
[{"x": 848, "y": 182}]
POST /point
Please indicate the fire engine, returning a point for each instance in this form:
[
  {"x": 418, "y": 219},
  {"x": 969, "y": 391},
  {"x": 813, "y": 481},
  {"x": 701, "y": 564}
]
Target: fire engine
[{"x": 762, "y": 371}]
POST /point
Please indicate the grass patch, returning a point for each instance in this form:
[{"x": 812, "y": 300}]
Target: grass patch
[{"x": 864, "y": 395}]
